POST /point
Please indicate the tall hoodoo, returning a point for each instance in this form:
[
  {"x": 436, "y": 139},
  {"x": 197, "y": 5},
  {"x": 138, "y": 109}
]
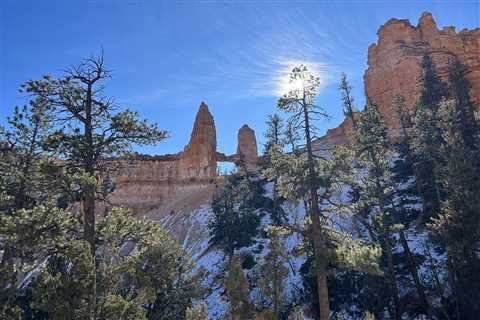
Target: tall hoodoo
[
  {"x": 198, "y": 160},
  {"x": 247, "y": 147},
  {"x": 163, "y": 184}
]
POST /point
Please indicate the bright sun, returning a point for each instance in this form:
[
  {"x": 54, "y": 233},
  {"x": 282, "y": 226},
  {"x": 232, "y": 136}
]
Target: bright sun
[
  {"x": 295, "y": 85},
  {"x": 285, "y": 85}
]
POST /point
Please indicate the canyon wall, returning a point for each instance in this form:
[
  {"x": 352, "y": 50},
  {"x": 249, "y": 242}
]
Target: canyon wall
[
  {"x": 393, "y": 65},
  {"x": 170, "y": 188},
  {"x": 159, "y": 186}
]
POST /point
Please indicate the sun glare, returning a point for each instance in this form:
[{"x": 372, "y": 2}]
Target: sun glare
[{"x": 285, "y": 84}]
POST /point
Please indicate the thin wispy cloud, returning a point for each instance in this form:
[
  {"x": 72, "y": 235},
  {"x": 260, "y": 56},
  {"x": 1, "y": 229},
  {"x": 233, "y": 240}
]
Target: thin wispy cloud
[{"x": 256, "y": 64}]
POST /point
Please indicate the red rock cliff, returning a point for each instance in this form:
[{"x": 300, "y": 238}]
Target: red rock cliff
[
  {"x": 393, "y": 65},
  {"x": 393, "y": 62}
]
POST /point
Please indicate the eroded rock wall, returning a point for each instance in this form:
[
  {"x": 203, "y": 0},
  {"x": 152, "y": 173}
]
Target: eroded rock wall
[
  {"x": 393, "y": 62},
  {"x": 393, "y": 66},
  {"x": 161, "y": 186}
]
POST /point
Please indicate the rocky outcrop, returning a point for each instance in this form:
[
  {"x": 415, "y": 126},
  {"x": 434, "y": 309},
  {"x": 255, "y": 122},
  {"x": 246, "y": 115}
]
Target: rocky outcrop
[
  {"x": 247, "y": 147},
  {"x": 198, "y": 160},
  {"x": 336, "y": 136},
  {"x": 171, "y": 188},
  {"x": 393, "y": 65},
  {"x": 393, "y": 62}
]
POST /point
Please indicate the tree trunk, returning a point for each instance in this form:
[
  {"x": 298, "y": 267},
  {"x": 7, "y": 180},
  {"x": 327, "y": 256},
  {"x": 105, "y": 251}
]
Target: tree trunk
[
  {"x": 89, "y": 197},
  {"x": 275, "y": 288},
  {"x": 391, "y": 276},
  {"x": 438, "y": 284},
  {"x": 316, "y": 228},
  {"x": 413, "y": 270}
]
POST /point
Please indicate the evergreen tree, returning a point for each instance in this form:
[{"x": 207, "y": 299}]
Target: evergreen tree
[
  {"x": 89, "y": 131},
  {"x": 347, "y": 99},
  {"x": 300, "y": 103},
  {"x": 429, "y": 88},
  {"x": 236, "y": 206},
  {"x": 238, "y": 291},
  {"x": 376, "y": 189},
  {"x": 406, "y": 194},
  {"x": 144, "y": 269},
  {"x": 292, "y": 136},
  {"x": 458, "y": 225},
  {"x": 24, "y": 168},
  {"x": 444, "y": 149},
  {"x": 142, "y": 274},
  {"x": 275, "y": 128},
  {"x": 274, "y": 141},
  {"x": 426, "y": 136},
  {"x": 313, "y": 180},
  {"x": 62, "y": 289},
  {"x": 29, "y": 237},
  {"x": 199, "y": 312},
  {"x": 464, "y": 108},
  {"x": 273, "y": 273}
]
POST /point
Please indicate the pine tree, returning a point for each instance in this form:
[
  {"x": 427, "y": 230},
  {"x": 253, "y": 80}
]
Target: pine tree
[
  {"x": 458, "y": 225},
  {"x": 142, "y": 274},
  {"x": 429, "y": 88},
  {"x": 371, "y": 144},
  {"x": 62, "y": 289},
  {"x": 236, "y": 218},
  {"x": 275, "y": 128},
  {"x": 238, "y": 291},
  {"x": 300, "y": 103},
  {"x": 143, "y": 269},
  {"x": 29, "y": 236},
  {"x": 274, "y": 143},
  {"x": 292, "y": 136},
  {"x": 273, "y": 273},
  {"x": 89, "y": 132},
  {"x": 199, "y": 312},
  {"x": 23, "y": 164},
  {"x": 347, "y": 99},
  {"x": 306, "y": 177},
  {"x": 426, "y": 136},
  {"x": 406, "y": 194},
  {"x": 459, "y": 91}
]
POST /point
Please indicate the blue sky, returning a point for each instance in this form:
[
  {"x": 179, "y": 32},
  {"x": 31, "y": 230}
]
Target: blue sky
[{"x": 168, "y": 56}]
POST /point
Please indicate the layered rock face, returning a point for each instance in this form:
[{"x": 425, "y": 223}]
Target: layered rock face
[
  {"x": 336, "y": 136},
  {"x": 172, "y": 188},
  {"x": 247, "y": 147},
  {"x": 393, "y": 66}
]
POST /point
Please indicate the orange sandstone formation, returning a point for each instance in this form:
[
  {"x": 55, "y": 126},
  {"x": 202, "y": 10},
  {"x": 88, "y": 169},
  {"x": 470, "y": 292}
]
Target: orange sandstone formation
[
  {"x": 198, "y": 160},
  {"x": 157, "y": 186},
  {"x": 393, "y": 65},
  {"x": 247, "y": 147}
]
